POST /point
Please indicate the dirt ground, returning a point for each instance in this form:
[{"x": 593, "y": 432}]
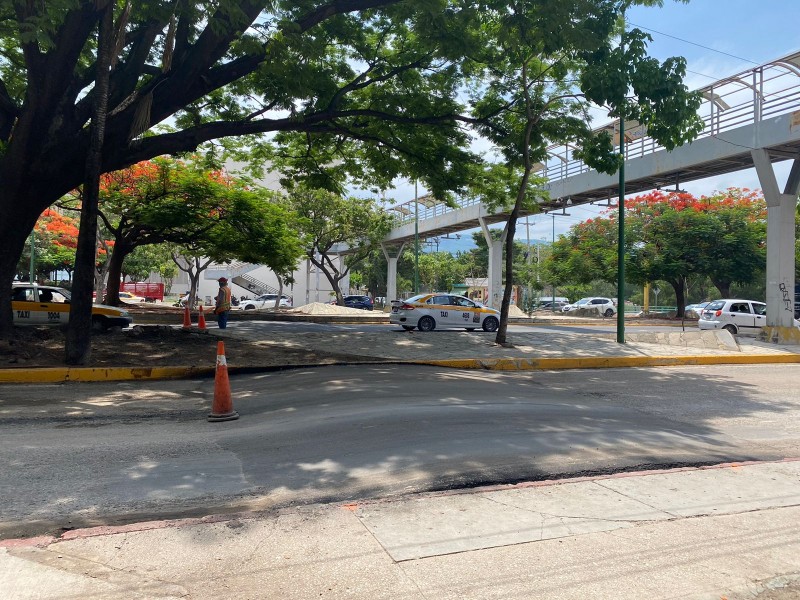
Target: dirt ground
[{"x": 153, "y": 345}]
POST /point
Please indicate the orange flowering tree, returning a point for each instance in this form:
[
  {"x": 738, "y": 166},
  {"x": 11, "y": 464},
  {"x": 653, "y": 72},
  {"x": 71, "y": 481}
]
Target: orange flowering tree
[
  {"x": 55, "y": 240},
  {"x": 671, "y": 236},
  {"x": 169, "y": 201}
]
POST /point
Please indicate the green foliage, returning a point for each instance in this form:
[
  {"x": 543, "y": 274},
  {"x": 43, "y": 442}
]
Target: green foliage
[
  {"x": 331, "y": 224},
  {"x": 674, "y": 238}
]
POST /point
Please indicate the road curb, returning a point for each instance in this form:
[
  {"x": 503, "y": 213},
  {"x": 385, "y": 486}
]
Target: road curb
[
  {"x": 100, "y": 374},
  {"x": 609, "y": 362},
  {"x": 86, "y": 374}
]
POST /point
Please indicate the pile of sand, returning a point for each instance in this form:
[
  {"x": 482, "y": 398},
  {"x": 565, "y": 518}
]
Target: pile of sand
[
  {"x": 515, "y": 311},
  {"x": 320, "y": 308}
]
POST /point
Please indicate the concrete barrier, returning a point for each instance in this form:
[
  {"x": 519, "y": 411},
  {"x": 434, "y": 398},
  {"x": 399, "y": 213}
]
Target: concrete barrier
[{"x": 716, "y": 339}]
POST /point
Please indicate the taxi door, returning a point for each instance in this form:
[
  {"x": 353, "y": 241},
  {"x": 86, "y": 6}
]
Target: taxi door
[
  {"x": 53, "y": 307},
  {"x": 442, "y": 310},
  {"x": 23, "y": 305},
  {"x": 466, "y": 313}
]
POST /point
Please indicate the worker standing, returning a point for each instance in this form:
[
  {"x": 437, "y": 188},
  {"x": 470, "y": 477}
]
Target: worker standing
[{"x": 223, "y": 303}]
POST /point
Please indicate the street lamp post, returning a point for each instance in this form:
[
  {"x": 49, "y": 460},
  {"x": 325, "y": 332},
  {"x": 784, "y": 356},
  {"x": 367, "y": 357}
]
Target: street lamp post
[
  {"x": 416, "y": 240},
  {"x": 621, "y": 224},
  {"x": 33, "y": 253},
  {"x": 553, "y": 296}
]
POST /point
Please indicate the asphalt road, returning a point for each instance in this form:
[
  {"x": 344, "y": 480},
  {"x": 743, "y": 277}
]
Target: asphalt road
[{"x": 79, "y": 454}]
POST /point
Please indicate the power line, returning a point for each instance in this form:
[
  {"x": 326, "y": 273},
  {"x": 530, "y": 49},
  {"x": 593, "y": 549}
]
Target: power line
[{"x": 695, "y": 44}]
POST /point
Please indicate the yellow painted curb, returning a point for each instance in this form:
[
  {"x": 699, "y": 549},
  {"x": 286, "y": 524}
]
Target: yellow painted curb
[
  {"x": 610, "y": 362},
  {"x": 59, "y": 374},
  {"x": 90, "y": 374}
]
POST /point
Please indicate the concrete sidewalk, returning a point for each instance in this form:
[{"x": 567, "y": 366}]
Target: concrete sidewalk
[{"x": 731, "y": 531}]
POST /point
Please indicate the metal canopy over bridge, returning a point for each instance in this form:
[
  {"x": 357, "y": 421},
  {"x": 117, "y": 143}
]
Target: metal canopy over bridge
[{"x": 755, "y": 109}]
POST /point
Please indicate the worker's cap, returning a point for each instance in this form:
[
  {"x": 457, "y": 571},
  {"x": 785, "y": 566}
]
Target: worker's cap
[{"x": 222, "y": 280}]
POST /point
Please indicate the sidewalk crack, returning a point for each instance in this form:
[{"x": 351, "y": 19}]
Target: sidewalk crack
[{"x": 661, "y": 510}]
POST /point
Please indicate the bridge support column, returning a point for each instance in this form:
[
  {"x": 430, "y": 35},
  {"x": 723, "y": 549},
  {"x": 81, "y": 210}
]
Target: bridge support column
[
  {"x": 392, "y": 253},
  {"x": 781, "y": 208},
  {"x": 495, "y": 265}
]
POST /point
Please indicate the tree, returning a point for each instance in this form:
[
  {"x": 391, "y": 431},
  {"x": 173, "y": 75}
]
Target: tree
[
  {"x": 334, "y": 225},
  {"x": 439, "y": 271},
  {"x": 54, "y": 240},
  {"x": 548, "y": 63},
  {"x": 376, "y": 77},
  {"x": 168, "y": 201},
  {"x": 145, "y": 260},
  {"x": 671, "y": 237},
  {"x": 78, "y": 339}
]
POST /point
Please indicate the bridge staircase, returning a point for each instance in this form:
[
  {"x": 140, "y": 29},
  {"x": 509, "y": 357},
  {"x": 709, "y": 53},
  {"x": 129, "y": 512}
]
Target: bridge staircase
[{"x": 238, "y": 272}]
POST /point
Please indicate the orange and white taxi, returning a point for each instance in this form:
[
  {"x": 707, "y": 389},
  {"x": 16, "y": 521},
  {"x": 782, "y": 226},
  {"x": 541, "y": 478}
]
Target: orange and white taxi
[{"x": 426, "y": 312}]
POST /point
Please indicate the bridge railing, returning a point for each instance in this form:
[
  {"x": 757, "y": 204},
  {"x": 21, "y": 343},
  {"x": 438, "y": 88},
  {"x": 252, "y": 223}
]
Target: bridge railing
[
  {"x": 746, "y": 98},
  {"x": 749, "y": 97}
]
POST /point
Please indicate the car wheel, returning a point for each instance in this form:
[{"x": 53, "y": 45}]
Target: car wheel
[
  {"x": 470, "y": 329},
  {"x": 250, "y": 307},
  {"x": 490, "y": 324},
  {"x": 426, "y": 323},
  {"x": 99, "y": 324},
  {"x": 408, "y": 327},
  {"x": 730, "y": 328},
  {"x": 609, "y": 312}
]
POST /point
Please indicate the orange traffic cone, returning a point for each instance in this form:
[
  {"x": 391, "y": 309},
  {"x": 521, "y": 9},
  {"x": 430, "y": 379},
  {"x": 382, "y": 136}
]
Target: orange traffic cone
[
  {"x": 222, "y": 409},
  {"x": 201, "y": 320},
  {"x": 187, "y": 318}
]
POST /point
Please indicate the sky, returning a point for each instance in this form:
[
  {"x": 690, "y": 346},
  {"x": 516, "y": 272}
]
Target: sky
[{"x": 718, "y": 38}]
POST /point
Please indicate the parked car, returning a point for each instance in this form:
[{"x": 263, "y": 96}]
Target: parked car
[
  {"x": 604, "y": 306},
  {"x": 361, "y": 302},
  {"x": 429, "y": 311},
  {"x": 693, "y": 311},
  {"x": 265, "y": 301},
  {"x": 34, "y": 304},
  {"x": 130, "y": 298},
  {"x": 736, "y": 315},
  {"x": 559, "y": 306}
]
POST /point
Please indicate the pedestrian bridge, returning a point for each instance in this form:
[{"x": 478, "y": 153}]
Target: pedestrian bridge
[{"x": 751, "y": 119}]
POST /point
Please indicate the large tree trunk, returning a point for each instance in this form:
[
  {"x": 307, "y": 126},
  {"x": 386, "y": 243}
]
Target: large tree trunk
[
  {"x": 14, "y": 231},
  {"x": 723, "y": 286},
  {"x": 115, "y": 262},
  {"x": 280, "y": 292},
  {"x": 679, "y": 285},
  {"x": 511, "y": 229},
  {"x": 79, "y": 330}
]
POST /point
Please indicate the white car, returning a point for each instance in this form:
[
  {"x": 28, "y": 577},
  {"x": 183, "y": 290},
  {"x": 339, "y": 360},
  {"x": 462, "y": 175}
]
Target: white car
[
  {"x": 265, "y": 301},
  {"x": 34, "y": 304},
  {"x": 604, "y": 306},
  {"x": 735, "y": 315},
  {"x": 426, "y": 312}
]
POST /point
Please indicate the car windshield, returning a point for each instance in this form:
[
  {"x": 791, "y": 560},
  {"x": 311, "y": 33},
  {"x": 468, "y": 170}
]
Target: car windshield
[
  {"x": 715, "y": 305},
  {"x": 416, "y": 298},
  {"x": 582, "y": 301}
]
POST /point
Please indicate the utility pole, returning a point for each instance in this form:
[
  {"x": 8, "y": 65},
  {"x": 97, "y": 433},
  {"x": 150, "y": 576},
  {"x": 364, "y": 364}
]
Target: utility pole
[
  {"x": 416, "y": 240},
  {"x": 33, "y": 253},
  {"x": 621, "y": 221},
  {"x": 553, "y": 297}
]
